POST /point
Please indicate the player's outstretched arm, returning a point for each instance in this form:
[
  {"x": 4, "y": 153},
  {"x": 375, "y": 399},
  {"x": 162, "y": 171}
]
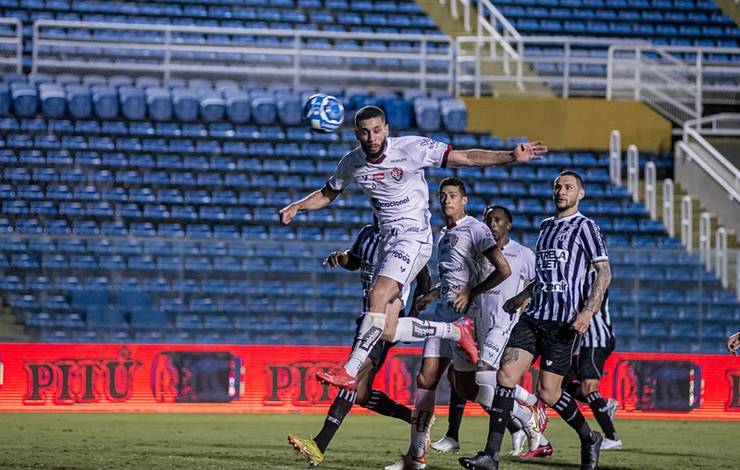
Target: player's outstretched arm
[
  {"x": 522, "y": 153},
  {"x": 314, "y": 201},
  {"x": 345, "y": 259},
  {"x": 519, "y": 301},
  {"x": 596, "y": 297}
]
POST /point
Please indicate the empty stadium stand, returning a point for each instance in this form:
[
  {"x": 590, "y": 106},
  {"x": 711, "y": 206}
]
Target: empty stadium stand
[{"x": 142, "y": 210}]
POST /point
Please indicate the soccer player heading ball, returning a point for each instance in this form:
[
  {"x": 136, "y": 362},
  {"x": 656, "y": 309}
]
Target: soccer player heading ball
[{"x": 390, "y": 171}]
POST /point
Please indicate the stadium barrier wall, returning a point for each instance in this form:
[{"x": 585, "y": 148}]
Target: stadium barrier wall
[
  {"x": 576, "y": 123},
  {"x": 280, "y": 379}
]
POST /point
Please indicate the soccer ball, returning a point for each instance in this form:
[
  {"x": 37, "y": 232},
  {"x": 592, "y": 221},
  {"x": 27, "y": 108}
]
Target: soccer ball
[{"x": 323, "y": 113}]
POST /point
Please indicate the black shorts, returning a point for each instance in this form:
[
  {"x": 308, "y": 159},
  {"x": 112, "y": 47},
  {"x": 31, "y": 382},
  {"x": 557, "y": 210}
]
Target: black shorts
[
  {"x": 554, "y": 342},
  {"x": 591, "y": 360},
  {"x": 380, "y": 350}
]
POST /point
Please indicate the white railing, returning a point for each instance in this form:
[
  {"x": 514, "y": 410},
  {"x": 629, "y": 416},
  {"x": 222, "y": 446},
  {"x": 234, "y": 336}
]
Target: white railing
[
  {"x": 315, "y": 57},
  {"x": 564, "y": 66},
  {"x": 633, "y": 172},
  {"x": 676, "y": 81},
  {"x": 687, "y": 223},
  {"x": 668, "y": 207},
  {"x": 11, "y": 44},
  {"x": 713, "y": 163},
  {"x": 454, "y": 12},
  {"x": 651, "y": 186},
  {"x": 722, "y": 124},
  {"x": 720, "y": 261},
  {"x": 705, "y": 239},
  {"x": 615, "y": 158}
]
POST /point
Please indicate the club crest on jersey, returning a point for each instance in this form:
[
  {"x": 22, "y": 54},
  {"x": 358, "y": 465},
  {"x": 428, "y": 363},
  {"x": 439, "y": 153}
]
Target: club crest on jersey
[
  {"x": 453, "y": 240},
  {"x": 565, "y": 232},
  {"x": 397, "y": 174}
]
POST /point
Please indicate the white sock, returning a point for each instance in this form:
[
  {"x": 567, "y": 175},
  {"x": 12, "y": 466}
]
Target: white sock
[
  {"x": 486, "y": 380},
  {"x": 412, "y": 330},
  {"x": 371, "y": 330},
  {"x": 522, "y": 413},
  {"x": 521, "y": 394},
  {"x": 543, "y": 440},
  {"x": 420, "y": 417}
]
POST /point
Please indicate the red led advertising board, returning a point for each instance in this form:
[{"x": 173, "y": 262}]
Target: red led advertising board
[{"x": 280, "y": 379}]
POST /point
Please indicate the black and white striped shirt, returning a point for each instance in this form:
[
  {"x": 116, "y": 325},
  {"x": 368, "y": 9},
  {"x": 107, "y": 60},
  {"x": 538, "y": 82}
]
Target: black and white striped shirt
[
  {"x": 366, "y": 248},
  {"x": 566, "y": 248},
  {"x": 600, "y": 329}
]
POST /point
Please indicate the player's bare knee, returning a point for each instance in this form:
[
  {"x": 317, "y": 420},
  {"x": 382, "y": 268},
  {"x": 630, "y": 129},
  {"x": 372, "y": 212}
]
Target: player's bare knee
[
  {"x": 506, "y": 377},
  {"x": 363, "y": 394},
  {"x": 549, "y": 395}
]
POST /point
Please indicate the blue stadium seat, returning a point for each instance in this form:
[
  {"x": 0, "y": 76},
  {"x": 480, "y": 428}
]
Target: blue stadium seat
[
  {"x": 105, "y": 101},
  {"x": 159, "y": 104},
  {"x": 53, "y": 100},
  {"x": 427, "y": 114},
  {"x": 454, "y": 115},
  {"x": 263, "y": 108},
  {"x": 25, "y": 98}
]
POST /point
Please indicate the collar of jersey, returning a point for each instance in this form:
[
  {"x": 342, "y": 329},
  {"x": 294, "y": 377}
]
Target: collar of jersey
[
  {"x": 567, "y": 218},
  {"x": 460, "y": 222}
]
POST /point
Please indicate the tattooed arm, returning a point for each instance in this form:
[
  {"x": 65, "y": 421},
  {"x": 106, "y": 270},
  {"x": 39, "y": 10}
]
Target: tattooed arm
[{"x": 596, "y": 297}]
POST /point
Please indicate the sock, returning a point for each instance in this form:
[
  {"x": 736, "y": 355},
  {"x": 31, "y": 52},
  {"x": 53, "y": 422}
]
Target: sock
[
  {"x": 503, "y": 403},
  {"x": 543, "y": 440},
  {"x": 422, "y": 414},
  {"x": 457, "y": 408},
  {"x": 521, "y": 413},
  {"x": 339, "y": 408},
  {"x": 513, "y": 426},
  {"x": 486, "y": 380},
  {"x": 568, "y": 410},
  {"x": 370, "y": 332},
  {"x": 381, "y": 403},
  {"x": 523, "y": 395},
  {"x": 574, "y": 389},
  {"x": 598, "y": 406},
  {"x": 412, "y": 329}
]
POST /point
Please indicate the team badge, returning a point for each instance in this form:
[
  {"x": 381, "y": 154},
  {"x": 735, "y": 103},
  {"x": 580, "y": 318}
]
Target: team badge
[
  {"x": 453, "y": 240},
  {"x": 397, "y": 174}
]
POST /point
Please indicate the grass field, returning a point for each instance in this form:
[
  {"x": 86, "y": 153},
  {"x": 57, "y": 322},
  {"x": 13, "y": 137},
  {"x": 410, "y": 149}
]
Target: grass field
[{"x": 165, "y": 441}]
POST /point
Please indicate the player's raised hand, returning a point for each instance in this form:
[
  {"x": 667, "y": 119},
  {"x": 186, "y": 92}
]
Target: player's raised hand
[
  {"x": 733, "y": 343},
  {"x": 422, "y": 302},
  {"x": 337, "y": 258},
  {"x": 581, "y": 322},
  {"x": 287, "y": 213},
  {"x": 462, "y": 302},
  {"x": 529, "y": 151}
]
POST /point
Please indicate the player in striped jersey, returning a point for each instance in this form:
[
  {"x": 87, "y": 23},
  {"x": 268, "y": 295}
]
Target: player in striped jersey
[
  {"x": 362, "y": 256},
  {"x": 564, "y": 299},
  {"x": 598, "y": 343}
]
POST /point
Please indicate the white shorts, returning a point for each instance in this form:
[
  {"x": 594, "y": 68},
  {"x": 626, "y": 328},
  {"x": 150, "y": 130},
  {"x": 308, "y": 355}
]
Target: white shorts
[
  {"x": 496, "y": 330},
  {"x": 401, "y": 255},
  {"x": 491, "y": 341}
]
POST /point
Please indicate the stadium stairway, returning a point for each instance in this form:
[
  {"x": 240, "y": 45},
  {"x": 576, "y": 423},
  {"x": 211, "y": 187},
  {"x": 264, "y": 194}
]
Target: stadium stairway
[{"x": 455, "y": 28}]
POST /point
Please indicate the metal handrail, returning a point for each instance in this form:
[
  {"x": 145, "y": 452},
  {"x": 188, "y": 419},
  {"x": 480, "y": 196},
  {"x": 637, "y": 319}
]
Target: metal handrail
[{"x": 16, "y": 40}]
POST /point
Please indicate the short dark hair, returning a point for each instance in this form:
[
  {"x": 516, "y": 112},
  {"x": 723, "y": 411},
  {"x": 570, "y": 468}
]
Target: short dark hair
[
  {"x": 368, "y": 112},
  {"x": 573, "y": 174},
  {"x": 506, "y": 211},
  {"x": 458, "y": 183}
]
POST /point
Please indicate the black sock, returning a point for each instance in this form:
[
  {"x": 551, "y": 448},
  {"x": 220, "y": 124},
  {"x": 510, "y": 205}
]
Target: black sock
[
  {"x": 503, "y": 404},
  {"x": 568, "y": 410},
  {"x": 574, "y": 390},
  {"x": 513, "y": 426},
  {"x": 457, "y": 408},
  {"x": 381, "y": 403},
  {"x": 598, "y": 406},
  {"x": 337, "y": 411}
]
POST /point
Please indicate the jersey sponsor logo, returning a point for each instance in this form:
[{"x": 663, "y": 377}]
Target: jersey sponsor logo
[
  {"x": 400, "y": 255},
  {"x": 380, "y": 205},
  {"x": 551, "y": 287},
  {"x": 370, "y": 338},
  {"x": 549, "y": 259},
  {"x": 398, "y": 160},
  {"x": 429, "y": 143},
  {"x": 378, "y": 176},
  {"x": 397, "y": 174}
]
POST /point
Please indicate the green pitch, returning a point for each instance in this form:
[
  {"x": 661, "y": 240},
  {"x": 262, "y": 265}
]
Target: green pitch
[{"x": 168, "y": 441}]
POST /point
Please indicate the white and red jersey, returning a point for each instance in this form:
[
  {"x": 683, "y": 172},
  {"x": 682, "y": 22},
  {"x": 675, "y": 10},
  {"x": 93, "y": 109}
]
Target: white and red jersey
[
  {"x": 460, "y": 255},
  {"x": 521, "y": 261},
  {"x": 395, "y": 182}
]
